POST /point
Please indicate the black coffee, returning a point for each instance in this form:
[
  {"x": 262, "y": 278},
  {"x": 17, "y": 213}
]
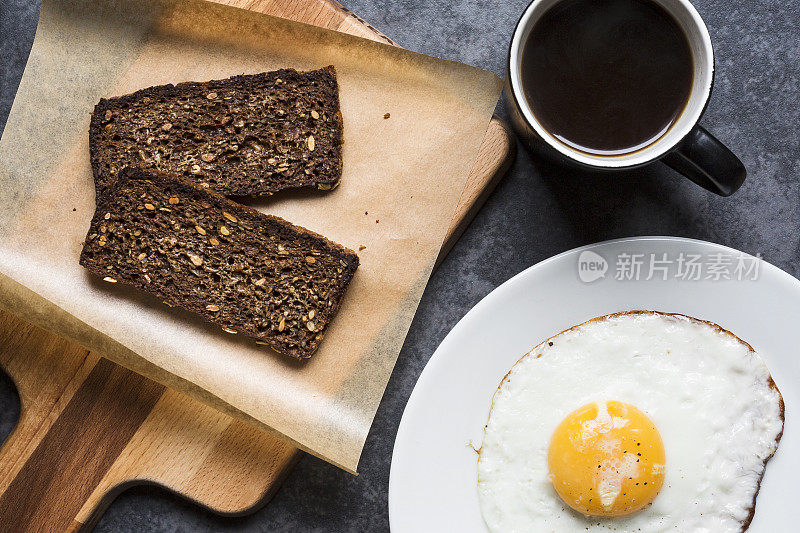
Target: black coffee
[{"x": 607, "y": 76}]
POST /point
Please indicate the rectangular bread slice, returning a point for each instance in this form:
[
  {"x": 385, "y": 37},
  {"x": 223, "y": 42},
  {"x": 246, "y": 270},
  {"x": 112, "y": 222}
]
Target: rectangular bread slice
[
  {"x": 246, "y": 135},
  {"x": 250, "y": 273}
]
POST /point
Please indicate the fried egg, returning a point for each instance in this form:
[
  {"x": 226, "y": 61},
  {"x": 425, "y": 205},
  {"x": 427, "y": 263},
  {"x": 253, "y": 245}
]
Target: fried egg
[{"x": 633, "y": 422}]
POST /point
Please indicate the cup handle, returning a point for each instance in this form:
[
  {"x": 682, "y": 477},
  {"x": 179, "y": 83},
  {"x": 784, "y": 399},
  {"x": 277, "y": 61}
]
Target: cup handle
[{"x": 707, "y": 162}]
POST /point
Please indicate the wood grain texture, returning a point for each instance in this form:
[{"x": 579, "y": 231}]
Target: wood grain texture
[
  {"x": 109, "y": 397},
  {"x": 328, "y": 14},
  {"x": 89, "y": 428}
]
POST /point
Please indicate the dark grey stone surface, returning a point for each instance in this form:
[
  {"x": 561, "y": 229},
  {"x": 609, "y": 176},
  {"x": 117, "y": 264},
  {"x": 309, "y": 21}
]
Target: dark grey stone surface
[{"x": 537, "y": 211}]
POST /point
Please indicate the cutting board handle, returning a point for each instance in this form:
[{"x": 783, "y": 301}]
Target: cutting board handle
[
  {"x": 53, "y": 461},
  {"x": 90, "y": 428}
]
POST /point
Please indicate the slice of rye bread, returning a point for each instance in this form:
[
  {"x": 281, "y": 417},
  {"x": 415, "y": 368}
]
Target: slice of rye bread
[
  {"x": 250, "y": 273},
  {"x": 247, "y": 135}
]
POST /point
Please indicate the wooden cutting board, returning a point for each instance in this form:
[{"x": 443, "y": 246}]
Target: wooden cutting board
[{"x": 90, "y": 428}]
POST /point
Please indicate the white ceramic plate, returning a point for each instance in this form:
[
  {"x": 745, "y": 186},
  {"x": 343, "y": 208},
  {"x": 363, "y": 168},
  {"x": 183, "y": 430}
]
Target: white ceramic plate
[{"x": 432, "y": 485}]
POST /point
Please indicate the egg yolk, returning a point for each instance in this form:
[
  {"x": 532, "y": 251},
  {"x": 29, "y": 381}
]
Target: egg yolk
[{"x": 606, "y": 459}]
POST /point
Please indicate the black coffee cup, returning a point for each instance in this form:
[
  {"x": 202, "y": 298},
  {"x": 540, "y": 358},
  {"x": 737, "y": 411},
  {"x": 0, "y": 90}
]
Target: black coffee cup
[{"x": 685, "y": 146}]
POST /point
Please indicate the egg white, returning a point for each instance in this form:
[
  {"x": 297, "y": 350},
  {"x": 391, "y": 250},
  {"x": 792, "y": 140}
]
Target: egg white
[{"x": 709, "y": 395}]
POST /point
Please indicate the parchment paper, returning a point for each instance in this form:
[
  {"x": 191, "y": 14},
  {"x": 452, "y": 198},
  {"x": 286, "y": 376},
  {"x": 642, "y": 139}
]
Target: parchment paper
[{"x": 402, "y": 180}]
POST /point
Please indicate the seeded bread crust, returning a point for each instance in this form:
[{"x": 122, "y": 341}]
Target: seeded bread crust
[
  {"x": 247, "y": 135},
  {"x": 250, "y": 273}
]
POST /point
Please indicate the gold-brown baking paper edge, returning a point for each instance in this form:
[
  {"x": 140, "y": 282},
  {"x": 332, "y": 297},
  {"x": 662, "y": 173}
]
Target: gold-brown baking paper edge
[{"x": 402, "y": 180}]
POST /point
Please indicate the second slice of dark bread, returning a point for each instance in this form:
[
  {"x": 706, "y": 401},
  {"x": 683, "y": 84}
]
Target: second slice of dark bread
[
  {"x": 250, "y": 273},
  {"x": 247, "y": 135}
]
